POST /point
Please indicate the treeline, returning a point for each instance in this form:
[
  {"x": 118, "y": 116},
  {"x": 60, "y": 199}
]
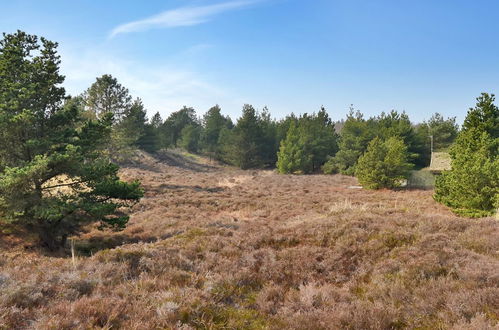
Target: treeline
[
  {"x": 380, "y": 151},
  {"x": 309, "y": 143}
]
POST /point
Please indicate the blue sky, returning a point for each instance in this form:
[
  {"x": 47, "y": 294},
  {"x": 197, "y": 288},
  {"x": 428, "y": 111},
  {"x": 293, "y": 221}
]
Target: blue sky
[{"x": 419, "y": 56}]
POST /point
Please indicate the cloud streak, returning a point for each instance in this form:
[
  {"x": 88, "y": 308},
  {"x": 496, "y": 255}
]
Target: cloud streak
[
  {"x": 163, "y": 87},
  {"x": 184, "y": 16}
]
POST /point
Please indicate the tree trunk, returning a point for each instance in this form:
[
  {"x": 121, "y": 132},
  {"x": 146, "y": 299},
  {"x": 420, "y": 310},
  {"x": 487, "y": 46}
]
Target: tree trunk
[{"x": 49, "y": 239}]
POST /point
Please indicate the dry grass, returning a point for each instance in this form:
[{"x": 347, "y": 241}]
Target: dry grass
[{"x": 217, "y": 248}]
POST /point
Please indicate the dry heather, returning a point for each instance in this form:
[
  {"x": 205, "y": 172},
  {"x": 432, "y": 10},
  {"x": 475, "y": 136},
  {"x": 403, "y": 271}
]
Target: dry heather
[{"x": 218, "y": 248}]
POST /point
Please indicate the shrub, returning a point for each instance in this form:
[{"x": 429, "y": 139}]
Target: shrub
[{"x": 384, "y": 165}]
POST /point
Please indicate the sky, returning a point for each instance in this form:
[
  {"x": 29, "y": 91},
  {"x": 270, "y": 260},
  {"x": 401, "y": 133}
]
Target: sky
[{"x": 421, "y": 56}]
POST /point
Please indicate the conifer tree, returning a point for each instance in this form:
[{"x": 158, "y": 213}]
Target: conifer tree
[
  {"x": 53, "y": 179},
  {"x": 471, "y": 187},
  {"x": 354, "y": 138},
  {"x": 213, "y": 122},
  {"x": 173, "y": 125},
  {"x": 384, "y": 164},
  {"x": 106, "y": 95},
  {"x": 292, "y": 158},
  {"x": 443, "y": 131},
  {"x": 132, "y": 127},
  {"x": 270, "y": 145},
  {"x": 190, "y": 137},
  {"x": 244, "y": 144}
]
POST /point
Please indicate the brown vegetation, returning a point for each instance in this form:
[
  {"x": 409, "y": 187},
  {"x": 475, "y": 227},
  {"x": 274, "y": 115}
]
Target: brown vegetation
[{"x": 218, "y": 248}]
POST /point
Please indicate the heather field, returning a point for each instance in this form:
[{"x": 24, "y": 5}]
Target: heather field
[{"x": 214, "y": 247}]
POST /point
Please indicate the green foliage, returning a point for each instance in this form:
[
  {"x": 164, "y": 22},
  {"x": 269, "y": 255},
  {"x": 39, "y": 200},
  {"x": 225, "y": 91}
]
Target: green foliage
[
  {"x": 151, "y": 139},
  {"x": 384, "y": 164},
  {"x": 471, "y": 187},
  {"x": 53, "y": 179},
  {"x": 357, "y": 132},
  {"x": 131, "y": 128},
  {"x": 354, "y": 138},
  {"x": 444, "y": 131},
  {"x": 225, "y": 146},
  {"x": 292, "y": 158},
  {"x": 106, "y": 95},
  {"x": 190, "y": 137},
  {"x": 172, "y": 127},
  {"x": 318, "y": 138},
  {"x": 213, "y": 123},
  {"x": 243, "y": 145},
  {"x": 310, "y": 141},
  {"x": 484, "y": 116},
  {"x": 270, "y": 145}
]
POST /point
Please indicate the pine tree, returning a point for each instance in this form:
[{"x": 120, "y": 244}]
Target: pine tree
[
  {"x": 132, "y": 127},
  {"x": 173, "y": 125},
  {"x": 319, "y": 138},
  {"x": 444, "y": 131},
  {"x": 292, "y": 158},
  {"x": 190, "y": 137},
  {"x": 213, "y": 122},
  {"x": 270, "y": 145},
  {"x": 53, "y": 179},
  {"x": 106, "y": 95},
  {"x": 484, "y": 116},
  {"x": 355, "y": 136},
  {"x": 471, "y": 187},
  {"x": 384, "y": 164},
  {"x": 245, "y": 142},
  {"x": 152, "y": 140}
]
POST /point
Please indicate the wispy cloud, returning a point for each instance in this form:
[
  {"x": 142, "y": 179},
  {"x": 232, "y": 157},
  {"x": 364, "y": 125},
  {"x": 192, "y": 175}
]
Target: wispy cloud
[
  {"x": 184, "y": 16},
  {"x": 163, "y": 87}
]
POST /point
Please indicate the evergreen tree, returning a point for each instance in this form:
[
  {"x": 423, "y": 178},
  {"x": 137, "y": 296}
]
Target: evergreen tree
[
  {"x": 292, "y": 158},
  {"x": 318, "y": 137},
  {"x": 444, "y": 131},
  {"x": 213, "y": 122},
  {"x": 243, "y": 146},
  {"x": 384, "y": 164},
  {"x": 106, "y": 95},
  {"x": 355, "y": 136},
  {"x": 173, "y": 125},
  {"x": 471, "y": 187},
  {"x": 152, "y": 140},
  {"x": 190, "y": 137},
  {"x": 358, "y": 132},
  {"x": 52, "y": 178},
  {"x": 226, "y": 147},
  {"x": 156, "y": 120},
  {"x": 484, "y": 116},
  {"x": 283, "y": 127},
  {"x": 132, "y": 127},
  {"x": 270, "y": 145},
  {"x": 395, "y": 124}
]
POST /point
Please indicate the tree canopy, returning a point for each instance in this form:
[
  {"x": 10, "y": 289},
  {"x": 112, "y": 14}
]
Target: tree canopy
[
  {"x": 471, "y": 187},
  {"x": 53, "y": 179}
]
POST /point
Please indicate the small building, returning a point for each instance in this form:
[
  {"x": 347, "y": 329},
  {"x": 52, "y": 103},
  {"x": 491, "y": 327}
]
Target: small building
[
  {"x": 440, "y": 161},
  {"x": 425, "y": 178}
]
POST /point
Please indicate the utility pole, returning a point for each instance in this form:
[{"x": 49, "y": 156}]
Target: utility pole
[{"x": 431, "y": 154}]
